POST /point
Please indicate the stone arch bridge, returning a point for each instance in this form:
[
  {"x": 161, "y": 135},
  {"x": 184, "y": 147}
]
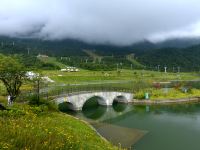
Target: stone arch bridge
[{"x": 77, "y": 100}]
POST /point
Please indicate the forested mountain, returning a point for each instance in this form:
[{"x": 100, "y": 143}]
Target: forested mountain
[
  {"x": 172, "y": 53},
  {"x": 68, "y": 47},
  {"x": 179, "y": 43},
  {"x": 188, "y": 59}
]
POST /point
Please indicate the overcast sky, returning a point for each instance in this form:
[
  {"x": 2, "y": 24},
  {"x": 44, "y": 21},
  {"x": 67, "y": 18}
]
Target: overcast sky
[{"x": 118, "y": 22}]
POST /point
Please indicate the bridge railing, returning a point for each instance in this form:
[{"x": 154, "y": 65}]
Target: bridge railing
[
  {"x": 50, "y": 92},
  {"x": 67, "y": 89}
]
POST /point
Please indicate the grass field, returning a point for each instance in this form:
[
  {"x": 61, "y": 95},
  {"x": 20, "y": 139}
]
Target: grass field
[
  {"x": 37, "y": 128},
  {"x": 99, "y": 76}
]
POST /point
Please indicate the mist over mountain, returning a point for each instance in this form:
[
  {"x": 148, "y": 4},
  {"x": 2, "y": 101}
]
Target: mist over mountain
[
  {"x": 107, "y": 48},
  {"x": 179, "y": 42},
  {"x": 119, "y": 23}
]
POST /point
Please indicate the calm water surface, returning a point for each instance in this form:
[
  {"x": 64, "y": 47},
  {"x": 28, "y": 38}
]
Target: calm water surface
[{"x": 174, "y": 127}]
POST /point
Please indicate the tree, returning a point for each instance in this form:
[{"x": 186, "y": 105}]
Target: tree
[{"x": 12, "y": 74}]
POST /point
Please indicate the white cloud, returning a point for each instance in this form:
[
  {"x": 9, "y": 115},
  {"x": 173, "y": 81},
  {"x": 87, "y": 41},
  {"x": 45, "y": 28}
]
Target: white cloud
[
  {"x": 191, "y": 31},
  {"x": 119, "y": 22}
]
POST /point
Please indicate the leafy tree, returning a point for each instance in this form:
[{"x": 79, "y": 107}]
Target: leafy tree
[{"x": 12, "y": 74}]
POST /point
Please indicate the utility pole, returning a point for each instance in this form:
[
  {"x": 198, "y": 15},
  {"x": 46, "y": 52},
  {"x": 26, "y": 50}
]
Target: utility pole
[
  {"x": 47, "y": 91},
  {"x": 38, "y": 90},
  {"x": 28, "y": 51},
  {"x": 165, "y": 69},
  {"x": 121, "y": 65},
  {"x": 158, "y": 68},
  {"x": 178, "y": 69}
]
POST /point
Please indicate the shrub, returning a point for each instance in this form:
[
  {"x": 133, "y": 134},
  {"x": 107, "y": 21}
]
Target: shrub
[
  {"x": 139, "y": 95},
  {"x": 43, "y": 103}
]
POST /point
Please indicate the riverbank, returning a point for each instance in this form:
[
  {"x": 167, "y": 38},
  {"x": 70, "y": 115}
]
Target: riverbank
[
  {"x": 25, "y": 127},
  {"x": 167, "y": 101}
]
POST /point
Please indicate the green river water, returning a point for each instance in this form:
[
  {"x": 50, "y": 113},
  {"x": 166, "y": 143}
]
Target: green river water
[{"x": 168, "y": 127}]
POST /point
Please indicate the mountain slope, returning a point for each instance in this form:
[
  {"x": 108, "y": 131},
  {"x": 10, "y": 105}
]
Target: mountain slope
[
  {"x": 171, "y": 53},
  {"x": 188, "y": 58}
]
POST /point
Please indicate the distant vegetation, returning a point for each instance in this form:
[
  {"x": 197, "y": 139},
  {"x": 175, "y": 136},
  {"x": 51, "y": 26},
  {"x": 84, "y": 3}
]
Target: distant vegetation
[
  {"x": 107, "y": 63},
  {"x": 145, "y": 53},
  {"x": 188, "y": 59}
]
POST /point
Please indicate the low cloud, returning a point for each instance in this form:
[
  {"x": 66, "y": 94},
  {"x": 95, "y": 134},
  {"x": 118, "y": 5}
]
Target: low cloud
[
  {"x": 119, "y": 22},
  {"x": 191, "y": 31}
]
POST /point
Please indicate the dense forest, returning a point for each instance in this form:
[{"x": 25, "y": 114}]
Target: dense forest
[{"x": 188, "y": 59}]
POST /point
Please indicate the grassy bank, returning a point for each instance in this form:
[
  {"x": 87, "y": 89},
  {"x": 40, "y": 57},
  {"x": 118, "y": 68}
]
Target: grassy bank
[
  {"x": 35, "y": 128},
  {"x": 166, "y": 94}
]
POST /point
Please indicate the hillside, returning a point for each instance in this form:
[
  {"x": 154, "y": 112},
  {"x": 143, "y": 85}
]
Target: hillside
[
  {"x": 93, "y": 55},
  {"x": 172, "y": 53},
  {"x": 188, "y": 59}
]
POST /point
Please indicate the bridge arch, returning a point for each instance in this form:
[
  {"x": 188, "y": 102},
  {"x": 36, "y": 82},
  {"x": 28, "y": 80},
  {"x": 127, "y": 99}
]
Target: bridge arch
[
  {"x": 120, "y": 99},
  {"x": 100, "y": 99},
  {"x": 106, "y": 98},
  {"x": 65, "y": 106}
]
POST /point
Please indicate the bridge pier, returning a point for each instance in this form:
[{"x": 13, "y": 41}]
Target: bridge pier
[
  {"x": 77, "y": 108},
  {"x": 104, "y": 103}
]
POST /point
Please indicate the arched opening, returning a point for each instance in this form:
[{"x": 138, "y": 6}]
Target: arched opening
[
  {"x": 91, "y": 108},
  {"x": 66, "y": 107},
  {"x": 119, "y": 103},
  {"x": 120, "y": 99}
]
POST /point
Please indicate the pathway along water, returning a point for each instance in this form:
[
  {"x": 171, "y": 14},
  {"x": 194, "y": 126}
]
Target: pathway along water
[{"x": 168, "y": 127}]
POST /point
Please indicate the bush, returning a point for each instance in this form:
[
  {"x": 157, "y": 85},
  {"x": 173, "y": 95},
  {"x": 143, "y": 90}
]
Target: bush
[
  {"x": 43, "y": 103},
  {"x": 140, "y": 85},
  {"x": 2, "y": 107},
  {"x": 33, "y": 100},
  {"x": 139, "y": 95},
  {"x": 157, "y": 94}
]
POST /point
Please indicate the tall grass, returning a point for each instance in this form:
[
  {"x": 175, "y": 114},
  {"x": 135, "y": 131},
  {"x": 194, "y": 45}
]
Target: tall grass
[{"x": 35, "y": 128}]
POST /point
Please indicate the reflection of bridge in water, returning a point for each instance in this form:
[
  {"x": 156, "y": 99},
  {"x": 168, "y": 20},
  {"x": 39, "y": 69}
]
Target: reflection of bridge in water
[
  {"x": 105, "y": 126},
  {"x": 77, "y": 100},
  {"x": 106, "y": 113}
]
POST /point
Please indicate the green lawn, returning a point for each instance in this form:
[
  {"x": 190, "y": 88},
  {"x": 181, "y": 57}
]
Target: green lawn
[{"x": 94, "y": 76}]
